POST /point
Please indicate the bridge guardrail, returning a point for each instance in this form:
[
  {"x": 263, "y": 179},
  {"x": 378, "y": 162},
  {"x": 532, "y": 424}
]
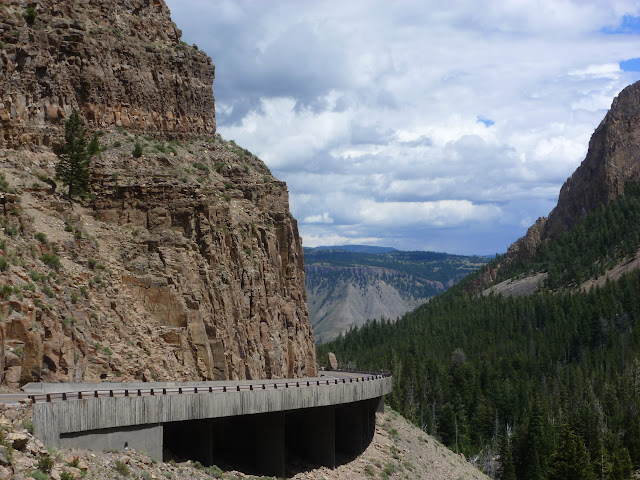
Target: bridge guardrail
[{"x": 86, "y": 394}]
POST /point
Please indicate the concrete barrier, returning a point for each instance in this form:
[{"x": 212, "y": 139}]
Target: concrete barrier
[{"x": 137, "y": 421}]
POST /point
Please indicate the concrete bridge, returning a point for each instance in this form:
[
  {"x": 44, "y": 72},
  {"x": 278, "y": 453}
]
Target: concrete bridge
[{"x": 258, "y": 425}]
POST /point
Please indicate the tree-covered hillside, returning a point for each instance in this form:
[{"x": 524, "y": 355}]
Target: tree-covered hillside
[
  {"x": 435, "y": 266},
  {"x": 537, "y": 379}
]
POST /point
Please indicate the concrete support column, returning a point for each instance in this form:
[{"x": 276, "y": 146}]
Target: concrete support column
[
  {"x": 319, "y": 431},
  {"x": 270, "y": 444},
  {"x": 349, "y": 428},
  {"x": 364, "y": 422}
]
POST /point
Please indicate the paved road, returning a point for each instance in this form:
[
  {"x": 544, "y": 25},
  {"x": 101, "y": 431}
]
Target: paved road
[
  {"x": 12, "y": 398},
  {"x": 325, "y": 377}
]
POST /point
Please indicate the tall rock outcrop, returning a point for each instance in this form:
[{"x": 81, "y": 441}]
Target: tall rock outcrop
[
  {"x": 612, "y": 160},
  {"x": 119, "y": 62},
  {"x": 182, "y": 264}
]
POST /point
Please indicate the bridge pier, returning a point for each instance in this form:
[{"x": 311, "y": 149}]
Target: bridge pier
[
  {"x": 270, "y": 443},
  {"x": 349, "y": 428},
  {"x": 318, "y": 433}
]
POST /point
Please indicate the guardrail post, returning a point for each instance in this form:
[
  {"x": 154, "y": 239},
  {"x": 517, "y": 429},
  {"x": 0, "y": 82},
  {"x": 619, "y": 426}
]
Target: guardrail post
[
  {"x": 238, "y": 387},
  {"x": 224, "y": 389},
  {"x": 264, "y": 386},
  {"x": 64, "y": 396},
  {"x": 210, "y": 389},
  {"x": 286, "y": 384},
  {"x": 111, "y": 393},
  {"x": 250, "y": 387},
  {"x": 152, "y": 394},
  {"x": 195, "y": 389},
  {"x": 164, "y": 391},
  {"x": 95, "y": 394},
  {"x": 79, "y": 395},
  {"x": 126, "y": 392},
  {"x": 139, "y": 392},
  {"x": 48, "y": 397},
  {"x": 179, "y": 389}
]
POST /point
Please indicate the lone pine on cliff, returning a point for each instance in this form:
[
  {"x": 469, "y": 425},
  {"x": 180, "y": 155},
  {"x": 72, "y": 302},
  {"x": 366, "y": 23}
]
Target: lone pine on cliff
[{"x": 184, "y": 263}]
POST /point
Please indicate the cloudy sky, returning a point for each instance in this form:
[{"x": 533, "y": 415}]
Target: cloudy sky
[{"x": 422, "y": 125}]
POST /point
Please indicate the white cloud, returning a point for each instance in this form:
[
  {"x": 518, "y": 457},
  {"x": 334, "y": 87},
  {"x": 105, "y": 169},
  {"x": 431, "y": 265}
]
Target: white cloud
[
  {"x": 320, "y": 218},
  {"x": 369, "y": 110}
]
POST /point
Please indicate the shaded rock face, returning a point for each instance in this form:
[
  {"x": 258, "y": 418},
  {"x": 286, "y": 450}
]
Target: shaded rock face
[
  {"x": 612, "y": 160},
  {"x": 118, "y": 62},
  {"x": 183, "y": 264}
]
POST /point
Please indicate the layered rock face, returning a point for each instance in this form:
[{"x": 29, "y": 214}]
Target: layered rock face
[
  {"x": 183, "y": 264},
  {"x": 612, "y": 160},
  {"x": 119, "y": 62}
]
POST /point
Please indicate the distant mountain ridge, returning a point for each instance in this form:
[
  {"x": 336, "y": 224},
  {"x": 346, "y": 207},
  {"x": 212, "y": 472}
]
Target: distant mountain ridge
[
  {"x": 347, "y": 288},
  {"x": 354, "y": 248}
]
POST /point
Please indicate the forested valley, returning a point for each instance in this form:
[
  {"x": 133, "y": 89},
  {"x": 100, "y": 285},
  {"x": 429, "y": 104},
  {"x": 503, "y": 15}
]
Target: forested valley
[{"x": 548, "y": 384}]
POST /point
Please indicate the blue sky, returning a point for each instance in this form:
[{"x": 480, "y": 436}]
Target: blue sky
[{"x": 446, "y": 126}]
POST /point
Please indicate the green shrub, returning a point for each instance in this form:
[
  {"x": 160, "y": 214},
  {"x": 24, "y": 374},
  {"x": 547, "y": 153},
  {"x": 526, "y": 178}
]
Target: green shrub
[
  {"x": 6, "y": 291},
  {"x": 137, "y": 150},
  {"x": 52, "y": 260},
  {"x": 201, "y": 166},
  {"x": 144, "y": 474},
  {"x": 41, "y": 237},
  {"x": 35, "y": 276},
  {"x": 214, "y": 471},
  {"x": 4, "y": 264},
  {"x": 68, "y": 227},
  {"x": 28, "y": 426},
  {"x": 45, "y": 463},
  {"x": 48, "y": 292},
  {"x": 38, "y": 475},
  {"x": 66, "y": 476},
  {"x": 117, "y": 144},
  {"x": 91, "y": 263},
  {"x": 29, "y": 286},
  {"x": 30, "y": 14},
  {"x": 218, "y": 166},
  {"x": 122, "y": 468}
]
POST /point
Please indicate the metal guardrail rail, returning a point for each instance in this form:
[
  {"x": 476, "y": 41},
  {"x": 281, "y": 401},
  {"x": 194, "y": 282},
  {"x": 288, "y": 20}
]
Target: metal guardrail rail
[{"x": 86, "y": 394}]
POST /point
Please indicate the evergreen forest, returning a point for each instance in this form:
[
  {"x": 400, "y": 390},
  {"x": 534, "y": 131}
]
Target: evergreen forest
[{"x": 545, "y": 386}]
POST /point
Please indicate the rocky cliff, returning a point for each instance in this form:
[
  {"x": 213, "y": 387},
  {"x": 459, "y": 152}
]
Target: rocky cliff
[
  {"x": 184, "y": 263},
  {"x": 612, "y": 160},
  {"x": 119, "y": 62}
]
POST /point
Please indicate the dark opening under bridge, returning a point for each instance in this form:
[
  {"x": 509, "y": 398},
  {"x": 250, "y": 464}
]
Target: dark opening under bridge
[{"x": 259, "y": 425}]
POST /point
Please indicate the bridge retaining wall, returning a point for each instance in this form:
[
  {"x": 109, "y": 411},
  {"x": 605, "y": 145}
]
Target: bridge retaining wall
[{"x": 137, "y": 421}]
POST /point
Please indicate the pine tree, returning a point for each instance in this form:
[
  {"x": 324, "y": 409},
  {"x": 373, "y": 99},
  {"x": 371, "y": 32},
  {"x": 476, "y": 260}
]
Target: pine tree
[
  {"x": 507, "y": 469},
  {"x": 73, "y": 165},
  {"x": 570, "y": 461}
]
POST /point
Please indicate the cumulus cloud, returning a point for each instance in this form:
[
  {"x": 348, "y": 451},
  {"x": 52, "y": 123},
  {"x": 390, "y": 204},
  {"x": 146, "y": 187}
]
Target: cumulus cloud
[{"x": 413, "y": 124}]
